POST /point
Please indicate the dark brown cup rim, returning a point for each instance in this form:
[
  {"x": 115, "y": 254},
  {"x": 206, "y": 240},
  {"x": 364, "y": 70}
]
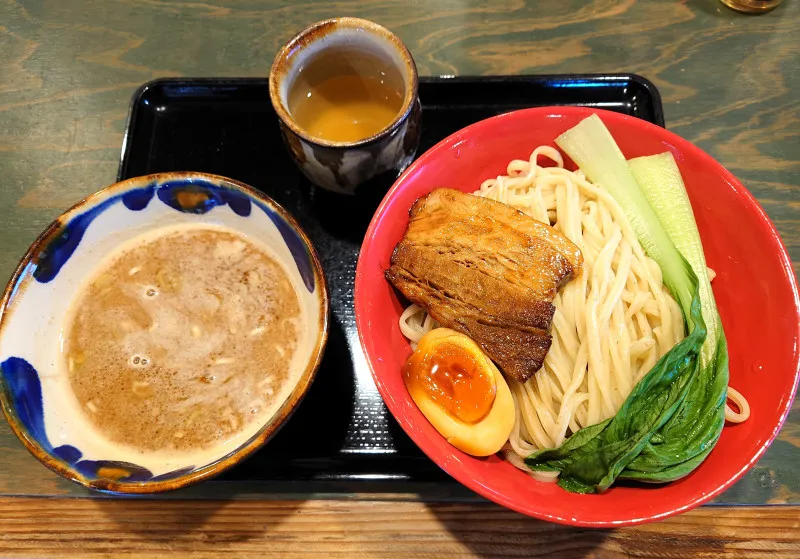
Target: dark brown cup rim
[{"x": 315, "y": 32}]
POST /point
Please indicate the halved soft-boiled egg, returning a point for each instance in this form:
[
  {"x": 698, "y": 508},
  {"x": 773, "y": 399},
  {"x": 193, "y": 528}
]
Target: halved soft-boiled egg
[{"x": 460, "y": 391}]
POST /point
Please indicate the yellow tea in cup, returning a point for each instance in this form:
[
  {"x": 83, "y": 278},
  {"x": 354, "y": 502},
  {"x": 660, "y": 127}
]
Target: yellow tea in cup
[{"x": 346, "y": 97}]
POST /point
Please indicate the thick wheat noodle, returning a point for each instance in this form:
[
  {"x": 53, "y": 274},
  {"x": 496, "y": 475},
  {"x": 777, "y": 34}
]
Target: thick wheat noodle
[
  {"x": 740, "y": 402},
  {"x": 612, "y": 323}
]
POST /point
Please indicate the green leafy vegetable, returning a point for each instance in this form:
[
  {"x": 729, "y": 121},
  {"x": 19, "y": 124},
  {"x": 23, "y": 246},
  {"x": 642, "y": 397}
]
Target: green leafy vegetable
[
  {"x": 675, "y": 414},
  {"x": 689, "y": 438}
]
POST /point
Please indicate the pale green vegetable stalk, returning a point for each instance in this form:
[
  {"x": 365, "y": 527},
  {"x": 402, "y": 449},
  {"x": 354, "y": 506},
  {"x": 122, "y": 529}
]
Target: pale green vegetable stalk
[
  {"x": 674, "y": 415},
  {"x": 592, "y": 148},
  {"x": 660, "y": 180}
]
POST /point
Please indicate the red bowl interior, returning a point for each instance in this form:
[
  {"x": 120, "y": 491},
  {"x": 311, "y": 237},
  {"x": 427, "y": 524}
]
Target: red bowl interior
[{"x": 755, "y": 288}]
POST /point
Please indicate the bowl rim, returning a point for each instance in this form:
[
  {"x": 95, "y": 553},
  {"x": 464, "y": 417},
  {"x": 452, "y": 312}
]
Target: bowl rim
[
  {"x": 248, "y": 447},
  {"x": 677, "y": 142}
]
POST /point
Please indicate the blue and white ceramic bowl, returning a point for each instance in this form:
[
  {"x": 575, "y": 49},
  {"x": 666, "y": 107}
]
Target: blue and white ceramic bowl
[{"x": 35, "y": 392}]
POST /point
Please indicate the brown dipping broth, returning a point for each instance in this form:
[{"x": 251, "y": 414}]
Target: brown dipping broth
[{"x": 182, "y": 341}]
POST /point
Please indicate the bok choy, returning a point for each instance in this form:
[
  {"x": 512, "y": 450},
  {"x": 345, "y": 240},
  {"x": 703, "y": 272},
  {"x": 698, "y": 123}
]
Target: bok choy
[{"x": 675, "y": 414}]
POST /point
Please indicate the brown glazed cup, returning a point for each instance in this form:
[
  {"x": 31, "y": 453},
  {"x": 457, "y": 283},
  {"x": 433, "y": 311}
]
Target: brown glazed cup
[{"x": 348, "y": 43}]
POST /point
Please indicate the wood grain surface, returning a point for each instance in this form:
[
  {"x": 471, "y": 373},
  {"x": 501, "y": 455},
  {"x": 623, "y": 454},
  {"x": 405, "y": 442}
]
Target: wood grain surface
[
  {"x": 68, "y": 68},
  {"x": 105, "y": 528}
]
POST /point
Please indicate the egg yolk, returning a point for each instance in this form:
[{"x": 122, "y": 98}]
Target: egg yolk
[{"x": 454, "y": 380}]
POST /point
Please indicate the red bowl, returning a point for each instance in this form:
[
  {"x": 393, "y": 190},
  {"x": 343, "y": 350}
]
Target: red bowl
[{"x": 755, "y": 288}]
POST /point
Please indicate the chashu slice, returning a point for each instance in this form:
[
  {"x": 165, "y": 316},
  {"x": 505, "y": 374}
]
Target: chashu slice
[{"x": 486, "y": 270}]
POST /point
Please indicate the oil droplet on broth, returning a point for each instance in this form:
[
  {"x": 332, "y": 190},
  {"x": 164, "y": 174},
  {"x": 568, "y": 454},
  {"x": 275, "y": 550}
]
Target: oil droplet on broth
[{"x": 139, "y": 361}]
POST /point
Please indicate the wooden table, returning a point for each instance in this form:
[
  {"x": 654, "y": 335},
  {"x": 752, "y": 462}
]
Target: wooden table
[{"x": 67, "y": 71}]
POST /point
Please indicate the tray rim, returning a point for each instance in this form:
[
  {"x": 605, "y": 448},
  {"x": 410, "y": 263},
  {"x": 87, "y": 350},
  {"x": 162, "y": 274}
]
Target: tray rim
[{"x": 467, "y": 79}]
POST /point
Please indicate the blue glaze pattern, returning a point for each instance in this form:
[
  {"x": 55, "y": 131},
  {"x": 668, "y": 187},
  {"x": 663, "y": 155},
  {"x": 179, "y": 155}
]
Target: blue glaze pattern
[
  {"x": 296, "y": 246},
  {"x": 22, "y": 383},
  {"x": 194, "y": 196},
  {"x": 24, "y": 391},
  {"x": 200, "y": 196},
  {"x": 65, "y": 241},
  {"x": 137, "y": 199},
  {"x": 133, "y": 473},
  {"x": 68, "y": 453},
  {"x": 187, "y": 196}
]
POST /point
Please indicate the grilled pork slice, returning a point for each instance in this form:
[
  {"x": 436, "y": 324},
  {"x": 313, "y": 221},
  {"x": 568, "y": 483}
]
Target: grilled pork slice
[{"x": 487, "y": 270}]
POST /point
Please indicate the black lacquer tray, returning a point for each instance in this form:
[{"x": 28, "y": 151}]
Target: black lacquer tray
[{"x": 341, "y": 434}]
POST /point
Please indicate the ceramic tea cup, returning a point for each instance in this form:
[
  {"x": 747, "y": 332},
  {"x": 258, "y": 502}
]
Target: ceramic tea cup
[{"x": 345, "y": 91}]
